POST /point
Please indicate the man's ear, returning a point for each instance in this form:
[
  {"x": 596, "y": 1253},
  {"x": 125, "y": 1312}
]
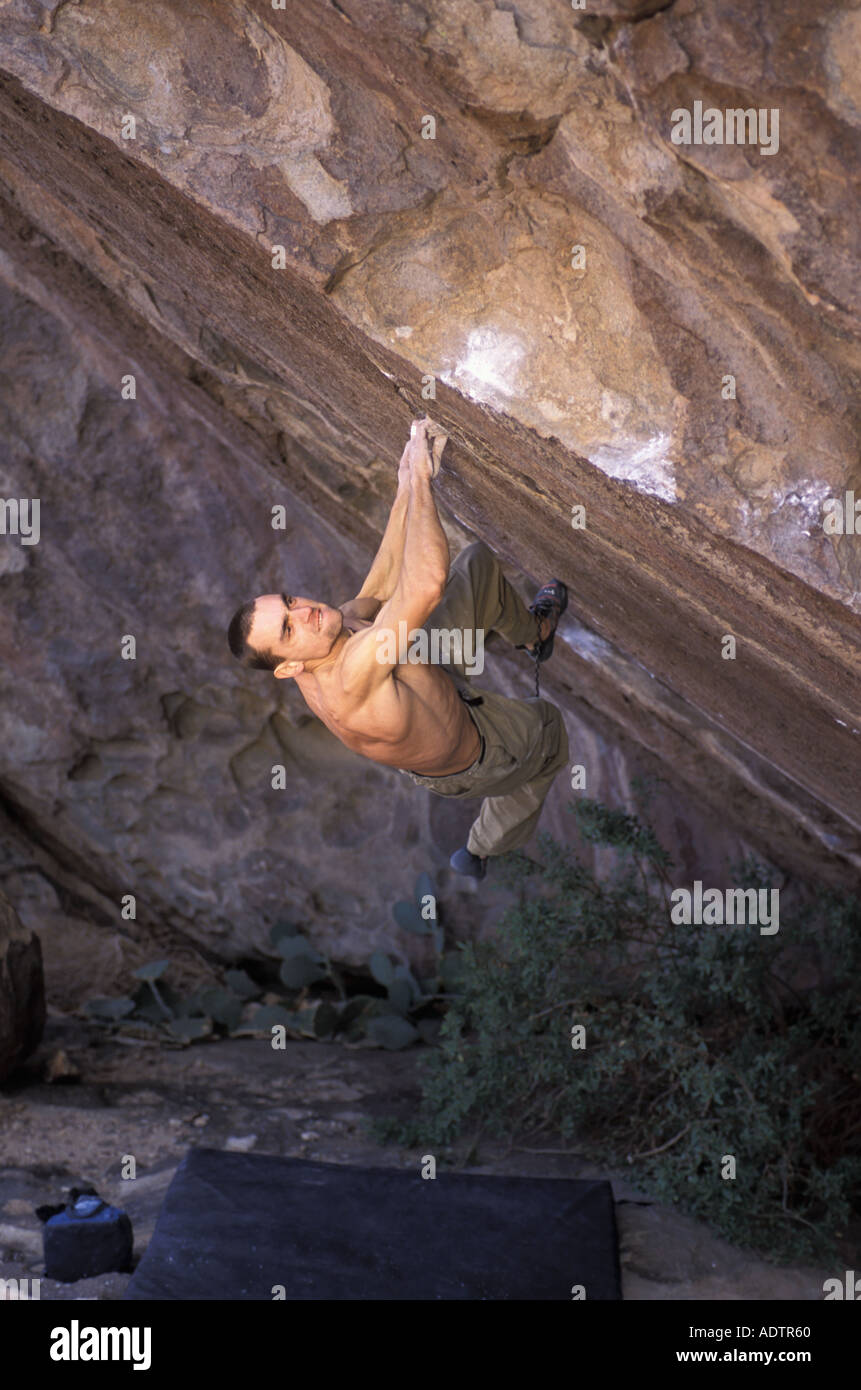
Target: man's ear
[{"x": 288, "y": 669}]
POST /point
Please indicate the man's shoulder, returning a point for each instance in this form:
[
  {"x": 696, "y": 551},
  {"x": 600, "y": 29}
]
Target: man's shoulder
[{"x": 359, "y": 663}]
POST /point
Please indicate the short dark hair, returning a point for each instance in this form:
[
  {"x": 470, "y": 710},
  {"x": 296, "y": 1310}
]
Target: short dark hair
[{"x": 237, "y": 637}]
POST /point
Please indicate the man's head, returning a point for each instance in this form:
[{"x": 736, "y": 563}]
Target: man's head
[{"x": 283, "y": 634}]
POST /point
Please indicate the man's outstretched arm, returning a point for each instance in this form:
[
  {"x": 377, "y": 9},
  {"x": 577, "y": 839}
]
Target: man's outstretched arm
[
  {"x": 425, "y": 557},
  {"x": 422, "y": 579},
  {"x": 384, "y": 572}
]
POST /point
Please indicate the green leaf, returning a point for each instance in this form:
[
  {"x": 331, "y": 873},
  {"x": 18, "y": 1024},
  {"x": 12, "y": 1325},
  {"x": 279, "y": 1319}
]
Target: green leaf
[
  {"x": 357, "y": 1026},
  {"x": 403, "y": 972},
  {"x": 242, "y": 984},
  {"x": 190, "y": 1006},
  {"x": 282, "y": 929},
  {"x": 147, "y": 1006},
  {"x": 292, "y": 946},
  {"x": 223, "y": 1006},
  {"x": 152, "y": 970},
  {"x": 400, "y": 995},
  {"x": 318, "y": 1020},
  {"x": 169, "y": 996},
  {"x": 409, "y": 918},
  {"x": 353, "y": 1009},
  {"x": 391, "y": 1032},
  {"x": 379, "y": 1007},
  {"x": 300, "y": 971},
  {"x": 424, "y": 886},
  {"x": 191, "y": 1028},
  {"x": 381, "y": 968},
  {"x": 109, "y": 1008},
  {"x": 410, "y": 977}
]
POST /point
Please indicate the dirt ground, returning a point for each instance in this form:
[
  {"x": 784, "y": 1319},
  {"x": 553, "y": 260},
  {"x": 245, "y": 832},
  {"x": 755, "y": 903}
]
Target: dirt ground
[{"x": 154, "y": 1102}]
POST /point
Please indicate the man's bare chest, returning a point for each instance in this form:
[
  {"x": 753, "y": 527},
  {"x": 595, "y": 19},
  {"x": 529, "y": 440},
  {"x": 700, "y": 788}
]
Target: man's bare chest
[{"x": 409, "y": 697}]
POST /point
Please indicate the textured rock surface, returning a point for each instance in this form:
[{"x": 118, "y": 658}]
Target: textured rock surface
[
  {"x": 22, "y": 990},
  {"x": 153, "y": 776},
  {"x": 405, "y": 257}
]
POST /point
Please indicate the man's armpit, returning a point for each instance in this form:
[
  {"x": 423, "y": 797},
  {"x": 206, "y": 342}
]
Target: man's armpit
[{"x": 364, "y": 606}]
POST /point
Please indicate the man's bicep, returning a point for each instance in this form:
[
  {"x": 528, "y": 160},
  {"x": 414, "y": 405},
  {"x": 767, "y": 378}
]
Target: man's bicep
[
  {"x": 373, "y": 654},
  {"x": 406, "y": 610}
]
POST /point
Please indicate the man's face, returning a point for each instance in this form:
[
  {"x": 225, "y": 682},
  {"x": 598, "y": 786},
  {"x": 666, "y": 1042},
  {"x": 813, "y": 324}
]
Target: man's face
[{"x": 298, "y": 630}]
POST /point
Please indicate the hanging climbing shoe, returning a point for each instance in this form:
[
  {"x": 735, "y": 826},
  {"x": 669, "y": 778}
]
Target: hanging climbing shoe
[
  {"x": 550, "y": 600},
  {"x": 470, "y": 864}
]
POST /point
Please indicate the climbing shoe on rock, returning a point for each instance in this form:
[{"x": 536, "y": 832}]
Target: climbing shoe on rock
[{"x": 550, "y": 602}]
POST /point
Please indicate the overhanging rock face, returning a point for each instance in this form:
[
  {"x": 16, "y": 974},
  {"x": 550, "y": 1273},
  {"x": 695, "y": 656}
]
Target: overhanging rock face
[{"x": 662, "y": 333}]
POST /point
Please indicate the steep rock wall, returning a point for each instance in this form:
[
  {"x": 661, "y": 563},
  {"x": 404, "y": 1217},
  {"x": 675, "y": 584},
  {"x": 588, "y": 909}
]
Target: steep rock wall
[{"x": 406, "y": 257}]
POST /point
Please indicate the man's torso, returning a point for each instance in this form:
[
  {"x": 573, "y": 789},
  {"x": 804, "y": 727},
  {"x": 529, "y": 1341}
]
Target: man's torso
[{"x": 414, "y": 719}]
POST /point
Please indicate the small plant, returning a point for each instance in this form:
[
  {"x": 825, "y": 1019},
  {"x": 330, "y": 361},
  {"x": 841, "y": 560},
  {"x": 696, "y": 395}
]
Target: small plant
[
  {"x": 664, "y": 1049},
  {"x": 403, "y": 1017},
  {"x": 159, "y": 1010}
]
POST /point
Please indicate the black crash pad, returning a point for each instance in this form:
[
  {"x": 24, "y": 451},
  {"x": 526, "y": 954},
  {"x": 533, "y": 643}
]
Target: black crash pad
[{"x": 234, "y": 1226}]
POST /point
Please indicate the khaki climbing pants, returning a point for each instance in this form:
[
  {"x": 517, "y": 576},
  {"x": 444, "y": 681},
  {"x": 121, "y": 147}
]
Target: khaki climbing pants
[{"x": 524, "y": 743}]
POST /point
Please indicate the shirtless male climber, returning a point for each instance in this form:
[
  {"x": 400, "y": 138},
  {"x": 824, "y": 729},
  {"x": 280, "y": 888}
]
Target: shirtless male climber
[{"x": 425, "y": 720}]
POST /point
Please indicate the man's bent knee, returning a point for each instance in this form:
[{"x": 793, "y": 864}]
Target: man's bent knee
[{"x": 473, "y": 552}]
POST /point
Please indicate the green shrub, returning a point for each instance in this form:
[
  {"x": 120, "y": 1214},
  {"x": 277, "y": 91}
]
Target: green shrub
[{"x": 697, "y": 1045}]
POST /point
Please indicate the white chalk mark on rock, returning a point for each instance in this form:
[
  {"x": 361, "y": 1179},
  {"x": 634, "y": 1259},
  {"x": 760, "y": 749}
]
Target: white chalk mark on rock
[
  {"x": 645, "y": 465},
  {"x": 807, "y": 495},
  {"x": 489, "y": 368}
]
